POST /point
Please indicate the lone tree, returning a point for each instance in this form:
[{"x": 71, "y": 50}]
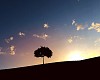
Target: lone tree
[{"x": 42, "y": 52}]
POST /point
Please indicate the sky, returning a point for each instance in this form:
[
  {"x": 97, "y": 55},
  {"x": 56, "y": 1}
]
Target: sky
[{"x": 70, "y": 28}]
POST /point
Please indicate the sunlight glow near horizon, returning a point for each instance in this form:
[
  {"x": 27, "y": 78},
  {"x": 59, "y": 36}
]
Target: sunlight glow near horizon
[
  {"x": 79, "y": 55},
  {"x": 75, "y": 56}
]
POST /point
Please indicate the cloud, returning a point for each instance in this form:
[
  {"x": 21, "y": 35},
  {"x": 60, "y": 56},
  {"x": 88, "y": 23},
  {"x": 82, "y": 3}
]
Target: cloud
[
  {"x": 42, "y": 36},
  {"x": 12, "y": 50},
  {"x": 1, "y": 52},
  {"x": 46, "y": 26},
  {"x": 78, "y": 37},
  {"x": 21, "y": 34},
  {"x": 74, "y": 38},
  {"x": 78, "y": 26},
  {"x": 11, "y": 38},
  {"x": 70, "y": 40},
  {"x": 97, "y": 42},
  {"x": 8, "y": 40},
  {"x": 95, "y": 26},
  {"x": 73, "y": 22}
]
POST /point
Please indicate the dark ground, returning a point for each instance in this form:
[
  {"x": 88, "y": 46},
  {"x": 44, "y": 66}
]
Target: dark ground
[{"x": 70, "y": 70}]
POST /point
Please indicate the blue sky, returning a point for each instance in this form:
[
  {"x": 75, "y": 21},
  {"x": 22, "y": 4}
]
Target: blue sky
[{"x": 65, "y": 26}]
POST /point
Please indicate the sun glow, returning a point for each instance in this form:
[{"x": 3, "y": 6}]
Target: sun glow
[{"x": 76, "y": 55}]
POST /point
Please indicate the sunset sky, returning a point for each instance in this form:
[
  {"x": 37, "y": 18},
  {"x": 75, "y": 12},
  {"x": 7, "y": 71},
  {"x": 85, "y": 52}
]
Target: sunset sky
[{"x": 70, "y": 28}]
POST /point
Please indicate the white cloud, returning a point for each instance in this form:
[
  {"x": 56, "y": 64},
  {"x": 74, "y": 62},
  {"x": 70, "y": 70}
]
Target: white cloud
[
  {"x": 12, "y": 50},
  {"x": 42, "y": 36},
  {"x": 35, "y": 35},
  {"x": 78, "y": 26},
  {"x": 21, "y": 34},
  {"x": 73, "y": 22},
  {"x": 46, "y": 26},
  {"x": 8, "y": 40},
  {"x": 95, "y": 26},
  {"x": 11, "y": 38}
]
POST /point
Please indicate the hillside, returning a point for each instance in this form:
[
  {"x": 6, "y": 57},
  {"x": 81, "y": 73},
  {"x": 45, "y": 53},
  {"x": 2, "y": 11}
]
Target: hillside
[{"x": 54, "y": 71}]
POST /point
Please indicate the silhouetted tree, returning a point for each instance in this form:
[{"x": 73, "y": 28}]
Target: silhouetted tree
[{"x": 42, "y": 52}]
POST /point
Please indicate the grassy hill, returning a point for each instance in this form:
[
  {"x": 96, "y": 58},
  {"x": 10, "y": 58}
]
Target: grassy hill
[{"x": 54, "y": 71}]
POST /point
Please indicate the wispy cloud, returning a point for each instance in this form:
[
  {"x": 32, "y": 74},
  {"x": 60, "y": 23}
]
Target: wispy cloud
[
  {"x": 21, "y": 34},
  {"x": 74, "y": 38},
  {"x": 97, "y": 42},
  {"x": 70, "y": 40},
  {"x": 42, "y": 36},
  {"x": 9, "y": 39},
  {"x": 12, "y": 50},
  {"x": 78, "y": 26},
  {"x": 46, "y": 26},
  {"x": 78, "y": 37},
  {"x": 1, "y": 52},
  {"x": 95, "y": 26}
]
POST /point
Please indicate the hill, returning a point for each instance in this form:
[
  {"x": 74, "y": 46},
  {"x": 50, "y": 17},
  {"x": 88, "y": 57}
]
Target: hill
[{"x": 54, "y": 71}]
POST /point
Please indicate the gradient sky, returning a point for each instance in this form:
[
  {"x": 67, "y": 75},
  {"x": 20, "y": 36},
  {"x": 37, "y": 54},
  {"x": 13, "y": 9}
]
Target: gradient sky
[{"x": 67, "y": 27}]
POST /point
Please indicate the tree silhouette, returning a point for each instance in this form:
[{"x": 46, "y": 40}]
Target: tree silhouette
[{"x": 42, "y": 52}]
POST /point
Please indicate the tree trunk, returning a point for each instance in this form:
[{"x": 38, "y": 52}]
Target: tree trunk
[{"x": 43, "y": 59}]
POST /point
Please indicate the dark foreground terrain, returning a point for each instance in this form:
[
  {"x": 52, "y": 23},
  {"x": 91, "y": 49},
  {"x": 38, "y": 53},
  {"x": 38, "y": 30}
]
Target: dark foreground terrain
[{"x": 55, "y": 71}]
